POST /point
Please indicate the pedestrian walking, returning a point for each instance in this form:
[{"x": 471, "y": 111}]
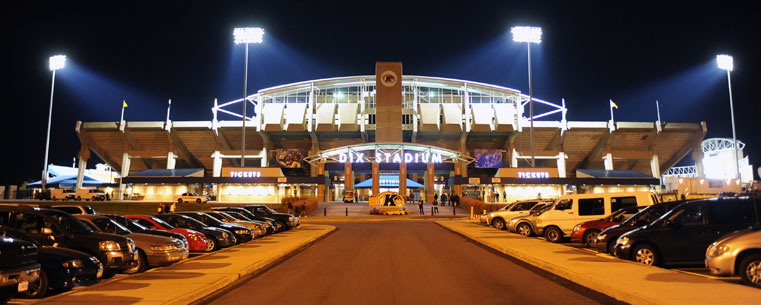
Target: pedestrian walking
[
  {"x": 504, "y": 196},
  {"x": 444, "y": 199},
  {"x": 456, "y": 200},
  {"x": 303, "y": 210},
  {"x": 290, "y": 207},
  {"x": 420, "y": 206}
]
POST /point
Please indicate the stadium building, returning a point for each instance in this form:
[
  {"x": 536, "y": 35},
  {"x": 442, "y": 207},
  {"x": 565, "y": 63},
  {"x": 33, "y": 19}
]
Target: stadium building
[{"x": 365, "y": 134}]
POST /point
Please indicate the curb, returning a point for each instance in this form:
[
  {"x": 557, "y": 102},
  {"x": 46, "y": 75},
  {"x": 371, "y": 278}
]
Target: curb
[{"x": 592, "y": 284}]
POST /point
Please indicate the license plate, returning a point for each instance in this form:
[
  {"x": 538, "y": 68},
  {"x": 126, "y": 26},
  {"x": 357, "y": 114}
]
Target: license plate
[
  {"x": 100, "y": 273},
  {"x": 23, "y": 286}
]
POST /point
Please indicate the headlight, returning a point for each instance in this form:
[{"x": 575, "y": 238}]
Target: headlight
[
  {"x": 164, "y": 247},
  {"x": 291, "y": 219},
  {"x": 73, "y": 264},
  {"x": 241, "y": 232},
  {"x": 601, "y": 236},
  {"x": 194, "y": 237},
  {"x": 224, "y": 234},
  {"x": 576, "y": 228},
  {"x": 718, "y": 250},
  {"x": 109, "y": 245},
  {"x": 623, "y": 240}
]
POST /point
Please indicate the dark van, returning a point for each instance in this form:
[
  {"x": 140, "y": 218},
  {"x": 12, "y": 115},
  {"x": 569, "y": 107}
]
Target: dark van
[{"x": 683, "y": 234}]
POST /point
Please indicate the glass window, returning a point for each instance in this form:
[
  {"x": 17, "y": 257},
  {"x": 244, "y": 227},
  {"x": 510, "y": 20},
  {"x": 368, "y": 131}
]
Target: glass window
[
  {"x": 591, "y": 206},
  {"x": 162, "y": 223},
  {"x": 31, "y": 223},
  {"x": 5, "y": 218},
  {"x": 564, "y": 204},
  {"x": 733, "y": 212},
  {"x": 617, "y": 203},
  {"x": 144, "y": 222},
  {"x": 691, "y": 214}
]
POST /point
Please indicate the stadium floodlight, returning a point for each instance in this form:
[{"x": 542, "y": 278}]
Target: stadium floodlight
[
  {"x": 246, "y": 36},
  {"x": 725, "y": 62},
  {"x": 529, "y": 35},
  {"x": 56, "y": 62}
]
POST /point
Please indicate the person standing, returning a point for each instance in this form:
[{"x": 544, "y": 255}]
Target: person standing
[
  {"x": 420, "y": 206},
  {"x": 435, "y": 206},
  {"x": 303, "y": 210},
  {"x": 444, "y": 199},
  {"x": 172, "y": 207},
  {"x": 435, "y": 197},
  {"x": 504, "y": 196},
  {"x": 456, "y": 200},
  {"x": 356, "y": 196},
  {"x": 496, "y": 196},
  {"x": 290, "y": 207}
]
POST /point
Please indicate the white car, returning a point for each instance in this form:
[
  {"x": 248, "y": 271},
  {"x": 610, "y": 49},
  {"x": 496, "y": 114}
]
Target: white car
[
  {"x": 498, "y": 219},
  {"x": 192, "y": 197}
]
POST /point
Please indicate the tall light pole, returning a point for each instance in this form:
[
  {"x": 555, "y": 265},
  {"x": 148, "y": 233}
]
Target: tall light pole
[
  {"x": 246, "y": 36},
  {"x": 56, "y": 62},
  {"x": 726, "y": 62},
  {"x": 529, "y": 34}
]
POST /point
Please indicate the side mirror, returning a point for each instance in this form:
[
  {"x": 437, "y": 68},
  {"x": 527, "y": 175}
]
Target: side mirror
[{"x": 47, "y": 231}]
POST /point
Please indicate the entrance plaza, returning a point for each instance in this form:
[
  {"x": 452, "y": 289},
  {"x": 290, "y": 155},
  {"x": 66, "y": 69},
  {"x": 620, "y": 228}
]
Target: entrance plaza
[{"x": 352, "y": 137}]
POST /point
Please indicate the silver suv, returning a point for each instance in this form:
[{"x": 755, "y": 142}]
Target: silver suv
[
  {"x": 738, "y": 253},
  {"x": 499, "y": 219}
]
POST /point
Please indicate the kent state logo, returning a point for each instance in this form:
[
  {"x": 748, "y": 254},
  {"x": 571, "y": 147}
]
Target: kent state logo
[
  {"x": 390, "y": 199},
  {"x": 388, "y": 78}
]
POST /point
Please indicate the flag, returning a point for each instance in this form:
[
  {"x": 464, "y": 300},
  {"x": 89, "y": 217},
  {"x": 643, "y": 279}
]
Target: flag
[
  {"x": 613, "y": 105},
  {"x": 124, "y": 103}
]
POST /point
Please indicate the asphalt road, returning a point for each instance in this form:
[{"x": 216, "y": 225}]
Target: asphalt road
[{"x": 401, "y": 263}]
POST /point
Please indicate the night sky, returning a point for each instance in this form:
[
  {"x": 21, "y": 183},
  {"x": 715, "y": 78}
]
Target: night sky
[{"x": 633, "y": 52}]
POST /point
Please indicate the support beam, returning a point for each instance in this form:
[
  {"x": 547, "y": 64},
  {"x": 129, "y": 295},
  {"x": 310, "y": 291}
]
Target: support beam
[
  {"x": 458, "y": 172},
  {"x": 124, "y": 173},
  {"x": 170, "y": 160},
  {"x": 222, "y": 143},
  {"x": 429, "y": 182},
  {"x": 217, "y": 164},
  {"x": 84, "y": 155},
  {"x": 376, "y": 178},
  {"x": 321, "y": 187},
  {"x": 608, "y": 161},
  {"x": 85, "y": 140},
  {"x": 348, "y": 180},
  {"x": 132, "y": 144},
  {"x": 561, "y": 165},
  {"x": 402, "y": 179},
  {"x": 182, "y": 150},
  {"x": 596, "y": 153},
  {"x": 693, "y": 144}
]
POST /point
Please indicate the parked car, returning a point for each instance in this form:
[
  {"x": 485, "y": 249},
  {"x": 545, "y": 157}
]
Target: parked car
[
  {"x": 737, "y": 254},
  {"x": 606, "y": 238},
  {"x": 276, "y": 226},
  {"x": 498, "y": 219},
  {"x": 138, "y": 228},
  {"x": 192, "y": 197},
  {"x": 256, "y": 228},
  {"x": 586, "y": 232},
  {"x": 60, "y": 268},
  {"x": 75, "y": 209},
  {"x": 196, "y": 240},
  {"x": 53, "y": 227},
  {"x": 683, "y": 234},
  {"x": 89, "y": 194},
  {"x": 153, "y": 250},
  {"x": 525, "y": 224},
  {"x": 570, "y": 210},
  {"x": 216, "y": 238},
  {"x": 62, "y": 194},
  {"x": 268, "y": 226},
  {"x": 286, "y": 221},
  {"x": 18, "y": 267},
  {"x": 242, "y": 234}
]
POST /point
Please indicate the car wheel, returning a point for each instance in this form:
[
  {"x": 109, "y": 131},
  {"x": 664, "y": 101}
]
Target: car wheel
[
  {"x": 610, "y": 247},
  {"x": 284, "y": 227},
  {"x": 179, "y": 200},
  {"x": 79, "y": 198},
  {"x": 211, "y": 244},
  {"x": 524, "y": 229},
  {"x": 553, "y": 234},
  {"x": 498, "y": 223},
  {"x": 198, "y": 200},
  {"x": 646, "y": 255},
  {"x": 590, "y": 237},
  {"x": 750, "y": 271},
  {"x": 39, "y": 288},
  {"x": 138, "y": 265}
]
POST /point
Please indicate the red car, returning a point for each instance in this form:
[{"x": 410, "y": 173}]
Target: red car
[
  {"x": 196, "y": 240},
  {"x": 586, "y": 232}
]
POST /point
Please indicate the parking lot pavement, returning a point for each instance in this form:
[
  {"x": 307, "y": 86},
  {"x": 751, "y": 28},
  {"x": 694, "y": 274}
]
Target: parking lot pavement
[
  {"x": 192, "y": 279},
  {"x": 624, "y": 280}
]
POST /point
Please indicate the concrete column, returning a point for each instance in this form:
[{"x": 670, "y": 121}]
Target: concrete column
[
  {"x": 217, "y": 164},
  {"x": 265, "y": 161},
  {"x": 403, "y": 179},
  {"x": 514, "y": 159},
  {"x": 608, "y": 160},
  {"x": 697, "y": 157},
  {"x": 561, "y": 164},
  {"x": 458, "y": 172},
  {"x": 84, "y": 155},
  {"x": 429, "y": 182},
  {"x": 170, "y": 160},
  {"x": 348, "y": 180},
  {"x": 321, "y": 187},
  {"x": 655, "y": 167},
  {"x": 124, "y": 173},
  {"x": 376, "y": 178}
]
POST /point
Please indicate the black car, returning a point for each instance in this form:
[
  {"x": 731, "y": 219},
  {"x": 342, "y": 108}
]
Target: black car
[
  {"x": 274, "y": 226},
  {"x": 216, "y": 238},
  {"x": 138, "y": 228},
  {"x": 61, "y": 268},
  {"x": 51, "y": 227},
  {"x": 18, "y": 267},
  {"x": 607, "y": 238},
  {"x": 287, "y": 221},
  {"x": 683, "y": 234},
  {"x": 242, "y": 234}
]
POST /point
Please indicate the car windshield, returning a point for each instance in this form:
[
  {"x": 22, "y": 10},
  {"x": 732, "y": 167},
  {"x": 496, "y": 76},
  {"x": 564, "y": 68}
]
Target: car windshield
[
  {"x": 188, "y": 222},
  {"x": 209, "y": 220},
  {"x": 648, "y": 215},
  {"x": 131, "y": 225},
  {"x": 162, "y": 223},
  {"x": 110, "y": 226},
  {"x": 68, "y": 222},
  {"x": 227, "y": 216},
  {"x": 217, "y": 216},
  {"x": 246, "y": 213},
  {"x": 236, "y": 215},
  {"x": 544, "y": 209}
]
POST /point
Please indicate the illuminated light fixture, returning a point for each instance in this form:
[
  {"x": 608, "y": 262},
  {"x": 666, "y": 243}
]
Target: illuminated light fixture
[
  {"x": 248, "y": 35},
  {"x": 338, "y": 94},
  {"x": 527, "y": 34},
  {"x": 701, "y": 181},
  {"x": 431, "y": 93},
  {"x": 681, "y": 180},
  {"x": 57, "y": 62},
  {"x": 725, "y": 62}
]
